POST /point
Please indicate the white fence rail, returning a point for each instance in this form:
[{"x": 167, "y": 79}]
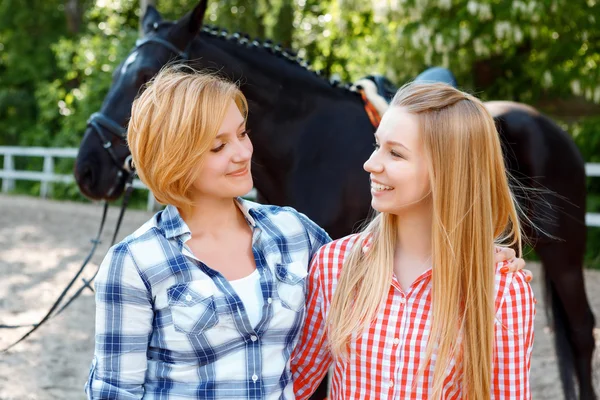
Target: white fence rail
[
  {"x": 592, "y": 219},
  {"x": 9, "y": 175}
]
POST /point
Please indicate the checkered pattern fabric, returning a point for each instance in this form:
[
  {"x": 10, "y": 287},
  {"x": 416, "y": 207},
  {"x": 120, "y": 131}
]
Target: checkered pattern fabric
[
  {"x": 384, "y": 362},
  {"x": 170, "y": 327}
]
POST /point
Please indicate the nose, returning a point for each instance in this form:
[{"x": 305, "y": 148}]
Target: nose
[
  {"x": 85, "y": 176},
  {"x": 243, "y": 151},
  {"x": 372, "y": 165}
]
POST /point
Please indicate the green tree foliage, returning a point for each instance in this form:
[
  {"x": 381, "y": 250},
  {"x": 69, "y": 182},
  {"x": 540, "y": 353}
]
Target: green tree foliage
[
  {"x": 26, "y": 60},
  {"x": 510, "y": 49},
  {"x": 85, "y": 65},
  {"x": 522, "y": 50}
]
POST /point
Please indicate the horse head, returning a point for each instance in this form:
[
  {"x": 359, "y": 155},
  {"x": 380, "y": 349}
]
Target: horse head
[{"x": 103, "y": 162}]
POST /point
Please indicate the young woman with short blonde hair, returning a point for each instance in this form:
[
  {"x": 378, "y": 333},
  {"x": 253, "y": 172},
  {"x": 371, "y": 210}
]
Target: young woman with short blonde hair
[{"x": 206, "y": 299}]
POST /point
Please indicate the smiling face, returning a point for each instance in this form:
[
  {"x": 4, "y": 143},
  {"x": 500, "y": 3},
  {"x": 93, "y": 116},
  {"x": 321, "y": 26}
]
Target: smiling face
[
  {"x": 398, "y": 166},
  {"x": 224, "y": 170}
]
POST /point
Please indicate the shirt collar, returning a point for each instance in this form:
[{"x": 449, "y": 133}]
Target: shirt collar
[
  {"x": 174, "y": 226},
  {"x": 247, "y": 208},
  {"x": 366, "y": 244},
  {"x": 171, "y": 223}
]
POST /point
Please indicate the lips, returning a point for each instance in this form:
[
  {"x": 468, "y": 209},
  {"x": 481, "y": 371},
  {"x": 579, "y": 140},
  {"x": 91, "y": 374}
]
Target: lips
[{"x": 239, "y": 172}]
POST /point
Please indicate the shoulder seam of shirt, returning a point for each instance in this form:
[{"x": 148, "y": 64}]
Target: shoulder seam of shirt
[{"x": 139, "y": 272}]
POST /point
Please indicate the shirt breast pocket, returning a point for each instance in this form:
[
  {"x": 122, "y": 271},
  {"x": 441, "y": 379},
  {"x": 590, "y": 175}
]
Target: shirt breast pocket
[
  {"x": 291, "y": 285},
  {"x": 192, "y": 306}
]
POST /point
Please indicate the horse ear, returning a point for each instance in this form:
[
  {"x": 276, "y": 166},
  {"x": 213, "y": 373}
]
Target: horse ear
[
  {"x": 151, "y": 17},
  {"x": 196, "y": 17},
  {"x": 188, "y": 26}
]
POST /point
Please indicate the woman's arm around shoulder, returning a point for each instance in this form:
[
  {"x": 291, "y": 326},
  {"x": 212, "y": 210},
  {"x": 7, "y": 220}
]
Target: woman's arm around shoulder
[
  {"x": 124, "y": 313},
  {"x": 513, "y": 339}
]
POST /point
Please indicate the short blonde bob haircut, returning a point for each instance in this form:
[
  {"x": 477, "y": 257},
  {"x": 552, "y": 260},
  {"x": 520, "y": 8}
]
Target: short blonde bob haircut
[{"x": 173, "y": 124}]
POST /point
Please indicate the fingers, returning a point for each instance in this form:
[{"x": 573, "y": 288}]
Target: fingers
[
  {"x": 504, "y": 254},
  {"x": 515, "y": 265}
]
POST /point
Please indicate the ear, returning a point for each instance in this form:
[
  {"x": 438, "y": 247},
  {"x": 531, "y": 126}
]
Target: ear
[
  {"x": 196, "y": 17},
  {"x": 151, "y": 17},
  {"x": 188, "y": 27}
]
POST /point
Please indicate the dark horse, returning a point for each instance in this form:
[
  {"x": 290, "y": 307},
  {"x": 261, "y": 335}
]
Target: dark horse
[{"x": 311, "y": 138}]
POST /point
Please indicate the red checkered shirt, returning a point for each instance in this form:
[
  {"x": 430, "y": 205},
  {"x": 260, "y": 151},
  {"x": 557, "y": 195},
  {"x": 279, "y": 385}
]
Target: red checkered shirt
[{"x": 383, "y": 363}]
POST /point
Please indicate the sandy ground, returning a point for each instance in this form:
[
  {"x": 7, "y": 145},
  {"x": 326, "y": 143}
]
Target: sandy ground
[{"x": 42, "y": 244}]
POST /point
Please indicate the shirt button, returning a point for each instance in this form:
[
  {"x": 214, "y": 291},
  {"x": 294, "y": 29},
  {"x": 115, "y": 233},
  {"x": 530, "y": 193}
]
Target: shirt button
[
  {"x": 188, "y": 297},
  {"x": 269, "y": 300},
  {"x": 254, "y": 378},
  {"x": 390, "y": 383},
  {"x": 396, "y": 341},
  {"x": 254, "y": 339},
  {"x": 402, "y": 300}
]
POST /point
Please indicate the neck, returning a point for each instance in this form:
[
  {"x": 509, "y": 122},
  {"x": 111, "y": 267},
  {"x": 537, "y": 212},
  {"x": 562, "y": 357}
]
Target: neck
[
  {"x": 215, "y": 217},
  {"x": 414, "y": 234}
]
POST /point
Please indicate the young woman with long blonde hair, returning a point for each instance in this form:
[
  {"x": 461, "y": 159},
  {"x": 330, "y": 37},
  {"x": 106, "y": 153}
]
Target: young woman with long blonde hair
[{"x": 409, "y": 308}]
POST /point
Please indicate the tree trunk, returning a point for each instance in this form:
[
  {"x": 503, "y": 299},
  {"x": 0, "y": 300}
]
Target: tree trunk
[
  {"x": 284, "y": 28},
  {"x": 73, "y": 13}
]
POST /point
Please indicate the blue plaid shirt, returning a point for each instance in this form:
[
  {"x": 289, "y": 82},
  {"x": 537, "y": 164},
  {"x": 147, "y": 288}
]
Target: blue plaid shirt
[{"x": 169, "y": 327}]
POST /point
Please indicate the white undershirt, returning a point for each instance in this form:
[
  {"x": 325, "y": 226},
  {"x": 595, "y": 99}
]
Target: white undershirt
[{"x": 249, "y": 291}]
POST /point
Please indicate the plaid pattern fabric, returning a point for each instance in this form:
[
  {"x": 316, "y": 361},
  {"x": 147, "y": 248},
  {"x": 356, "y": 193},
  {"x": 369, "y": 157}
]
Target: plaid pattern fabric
[
  {"x": 169, "y": 327},
  {"x": 383, "y": 363}
]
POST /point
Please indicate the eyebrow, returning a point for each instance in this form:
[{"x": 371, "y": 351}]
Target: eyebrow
[
  {"x": 225, "y": 133},
  {"x": 394, "y": 143}
]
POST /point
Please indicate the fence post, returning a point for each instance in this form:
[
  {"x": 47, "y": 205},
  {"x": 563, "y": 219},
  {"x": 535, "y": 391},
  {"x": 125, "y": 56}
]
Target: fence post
[
  {"x": 46, "y": 186},
  {"x": 151, "y": 201},
  {"x": 8, "y": 184}
]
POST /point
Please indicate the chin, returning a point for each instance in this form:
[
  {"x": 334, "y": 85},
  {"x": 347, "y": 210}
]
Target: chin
[
  {"x": 242, "y": 190},
  {"x": 377, "y": 206},
  {"x": 385, "y": 207}
]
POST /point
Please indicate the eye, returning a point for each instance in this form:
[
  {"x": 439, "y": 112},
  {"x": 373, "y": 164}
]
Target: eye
[
  {"x": 218, "y": 149},
  {"x": 245, "y": 133},
  {"x": 397, "y": 155},
  {"x": 376, "y": 146}
]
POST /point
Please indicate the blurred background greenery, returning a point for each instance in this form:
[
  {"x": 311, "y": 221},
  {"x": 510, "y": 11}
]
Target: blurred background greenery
[{"x": 57, "y": 56}]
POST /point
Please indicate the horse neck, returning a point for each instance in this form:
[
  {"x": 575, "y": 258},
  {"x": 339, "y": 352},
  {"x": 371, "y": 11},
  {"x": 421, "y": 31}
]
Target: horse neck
[{"x": 276, "y": 88}]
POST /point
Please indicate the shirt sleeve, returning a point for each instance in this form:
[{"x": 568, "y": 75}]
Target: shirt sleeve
[
  {"x": 318, "y": 236},
  {"x": 514, "y": 341},
  {"x": 311, "y": 357},
  {"x": 124, "y": 314}
]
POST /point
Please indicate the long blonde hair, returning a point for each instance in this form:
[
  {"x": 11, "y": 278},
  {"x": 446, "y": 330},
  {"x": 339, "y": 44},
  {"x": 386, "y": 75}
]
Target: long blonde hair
[
  {"x": 473, "y": 208},
  {"x": 173, "y": 124}
]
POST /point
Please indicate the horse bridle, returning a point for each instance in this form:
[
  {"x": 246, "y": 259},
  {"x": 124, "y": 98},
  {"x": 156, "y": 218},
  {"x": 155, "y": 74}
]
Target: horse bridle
[{"x": 99, "y": 121}]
